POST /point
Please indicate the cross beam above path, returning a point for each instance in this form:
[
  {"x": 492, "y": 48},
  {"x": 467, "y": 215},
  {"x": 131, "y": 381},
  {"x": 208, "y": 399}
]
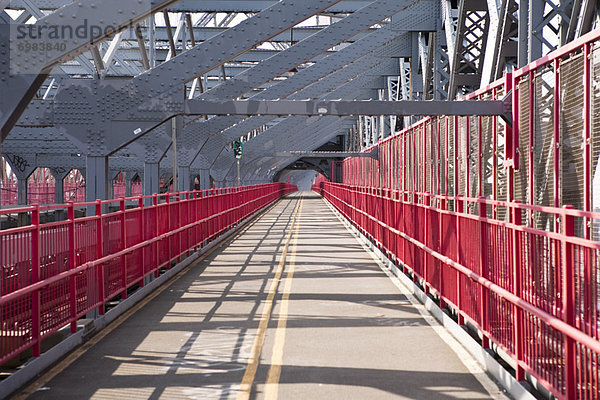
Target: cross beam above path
[
  {"x": 328, "y": 154},
  {"x": 348, "y": 108}
]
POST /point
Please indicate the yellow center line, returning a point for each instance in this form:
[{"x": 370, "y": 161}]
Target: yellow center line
[
  {"x": 248, "y": 379},
  {"x": 272, "y": 384}
]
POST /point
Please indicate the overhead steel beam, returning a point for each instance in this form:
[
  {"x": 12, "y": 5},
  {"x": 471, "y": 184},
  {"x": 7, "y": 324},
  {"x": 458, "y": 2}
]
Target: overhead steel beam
[
  {"x": 25, "y": 72},
  {"x": 320, "y": 41},
  {"x": 347, "y": 108},
  {"x": 308, "y": 48},
  {"x": 327, "y": 154},
  {"x": 202, "y": 33},
  {"x": 342, "y": 84},
  {"x": 172, "y": 75},
  {"x": 289, "y": 127},
  {"x": 102, "y": 103},
  {"x": 330, "y": 83},
  {"x": 209, "y": 6}
]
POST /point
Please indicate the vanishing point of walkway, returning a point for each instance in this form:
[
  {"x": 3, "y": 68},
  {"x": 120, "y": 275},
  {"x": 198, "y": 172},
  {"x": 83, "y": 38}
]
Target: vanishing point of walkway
[{"x": 291, "y": 308}]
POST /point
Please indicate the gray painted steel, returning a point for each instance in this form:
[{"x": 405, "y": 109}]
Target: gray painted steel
[
  {"x": 33, "y": 67},
  {"x": 345, "y": 108}
]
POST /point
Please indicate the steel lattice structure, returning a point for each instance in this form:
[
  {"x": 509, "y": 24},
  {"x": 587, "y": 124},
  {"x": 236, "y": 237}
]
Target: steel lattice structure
[
  {"x": 462, "y": 137},
  {"x": 110, "y": 104}
]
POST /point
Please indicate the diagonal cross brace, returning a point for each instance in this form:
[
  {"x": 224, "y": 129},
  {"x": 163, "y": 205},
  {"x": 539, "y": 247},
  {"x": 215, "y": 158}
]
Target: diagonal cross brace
[
  {"x": 272, "y": 21},
  {"x": 364, "y": 66},
  {"x": 26, "y": 71},
  {"x": 362, "y": 19},
  {"x": 347, "y": 90},
  {"x": 113, "y": 107}
]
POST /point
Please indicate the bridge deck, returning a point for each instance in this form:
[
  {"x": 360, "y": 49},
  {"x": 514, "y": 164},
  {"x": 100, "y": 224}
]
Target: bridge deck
[{"x": 322, "y": 322}]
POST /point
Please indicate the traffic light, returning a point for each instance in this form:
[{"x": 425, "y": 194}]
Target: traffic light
[{"x": 238, "y": 149}]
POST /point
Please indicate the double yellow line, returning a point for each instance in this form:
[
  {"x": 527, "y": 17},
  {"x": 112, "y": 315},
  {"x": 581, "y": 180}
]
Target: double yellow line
[{"x": 272, "y": 383}]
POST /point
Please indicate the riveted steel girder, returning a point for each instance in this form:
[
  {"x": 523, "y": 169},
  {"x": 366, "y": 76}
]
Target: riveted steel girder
[
  {"x": 25, "y": 71},
  {"x": 304, "y": 50},
  {"x": 103, "y": 116},
  {"x": 313, "y": 82},
  {"x": 270, "y": 22},
  {"x": 413, "y": 16},
  {"x": 46, "y": 146},
  {"x": 362, "y": 19},
  {"x": 217, "y": 143},
  {"x": 203, "y": 33},
  {"x": 266, "y": 161},
  {"x": 347, "y": 108},
  {"x": 282, "y": 62},
  {"x": 209, "y": 5},
  {"x": 77, "y": 91},
  {"x": 287, "y": 127},
  {"x": 98, "y": 140}
]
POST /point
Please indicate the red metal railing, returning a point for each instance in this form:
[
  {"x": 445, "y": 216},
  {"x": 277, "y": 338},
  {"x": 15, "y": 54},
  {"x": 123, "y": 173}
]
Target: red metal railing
[
  {"x": 498, "y": 220},
  {"x": 496, "y": 274},
  {"x": 43, "y": 193},
  {"x": 52, "y": 274}
]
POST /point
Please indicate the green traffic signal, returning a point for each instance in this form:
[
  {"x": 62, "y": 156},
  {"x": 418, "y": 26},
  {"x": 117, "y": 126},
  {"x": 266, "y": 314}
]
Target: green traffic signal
[{"x": 238, "y": 149}]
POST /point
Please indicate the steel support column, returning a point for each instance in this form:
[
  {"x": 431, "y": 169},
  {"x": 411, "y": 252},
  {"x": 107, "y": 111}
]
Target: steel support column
[
  {"x": 97, "y": 179},
  {"x": 151, "y": 183},
  {"x": 59, "y": 184}
]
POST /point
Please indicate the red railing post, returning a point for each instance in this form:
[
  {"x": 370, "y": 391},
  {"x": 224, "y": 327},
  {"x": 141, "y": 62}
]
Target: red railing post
[
  {"x": 568, "y": 302},
  {"x": 142, "y": 238},
  {"x": 209, "y": 213},
  {"x": 180, "y": 224},
  {"x": 405, "y": 242},
  {"x": 428, "y": 229},
  {"x": 440, "y": 249},
  {"x": 123, "y": 247},
  {"x": 519, "y": 339},
  {"x": 156, "y": 233},
  {"x": 169, "y": 222},
  {"x": 197, "y": 216},
  {"x": 72, "y": 265},
  {"x": 483, "y": 266},
  {"x": 99, "y": 255},
  {"x": 189, "y": 215},
  {"x": 459, "y": 210},
  {"x": 35, "y": 277}
]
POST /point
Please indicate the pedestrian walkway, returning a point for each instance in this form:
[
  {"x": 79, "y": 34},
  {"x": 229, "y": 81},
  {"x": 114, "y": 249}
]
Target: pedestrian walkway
[{"x": 293, "y": 307}]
